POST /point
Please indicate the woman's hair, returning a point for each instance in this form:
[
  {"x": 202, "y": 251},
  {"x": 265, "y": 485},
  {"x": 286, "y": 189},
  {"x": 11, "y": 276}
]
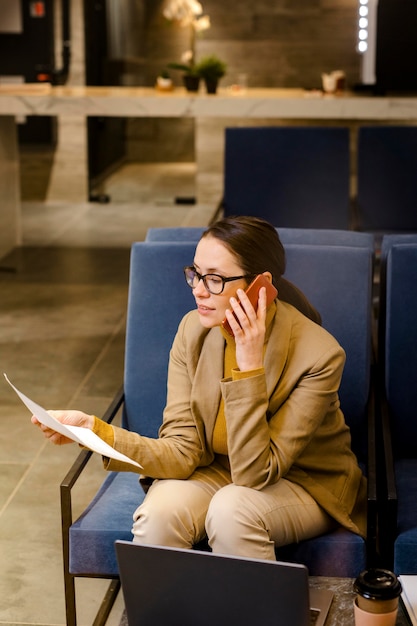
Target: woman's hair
[{"x": 254, "y": 242}]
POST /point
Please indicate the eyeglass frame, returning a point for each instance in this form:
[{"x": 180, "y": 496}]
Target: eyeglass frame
[{"x": 204, "y": 276}]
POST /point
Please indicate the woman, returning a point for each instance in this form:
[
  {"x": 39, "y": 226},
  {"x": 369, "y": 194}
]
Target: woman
[{"x": 253, "y": 451}]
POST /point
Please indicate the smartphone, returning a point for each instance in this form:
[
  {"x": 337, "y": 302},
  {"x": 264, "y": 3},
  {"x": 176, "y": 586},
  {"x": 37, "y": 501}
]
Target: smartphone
[{"x": 252, "y": 291}]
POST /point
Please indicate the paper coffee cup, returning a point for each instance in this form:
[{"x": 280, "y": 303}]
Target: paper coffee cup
[
  {"x": 365, "y": 618},
  {"x": 329, "y": 83},
  {"x": 376, "y": 603}
]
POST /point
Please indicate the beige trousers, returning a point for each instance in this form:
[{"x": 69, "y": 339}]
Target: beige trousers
[{"x": 237, "y": 520}]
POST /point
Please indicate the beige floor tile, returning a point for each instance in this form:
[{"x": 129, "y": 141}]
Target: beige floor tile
[{"x": 62, "y": 321}]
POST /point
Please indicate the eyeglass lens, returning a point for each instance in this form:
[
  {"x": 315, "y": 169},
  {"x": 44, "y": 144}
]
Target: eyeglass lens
[{"x": 212, "y": 282}]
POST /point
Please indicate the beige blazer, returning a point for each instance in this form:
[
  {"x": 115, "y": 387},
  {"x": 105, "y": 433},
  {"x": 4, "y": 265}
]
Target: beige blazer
[{"x": 286, "y": 422}]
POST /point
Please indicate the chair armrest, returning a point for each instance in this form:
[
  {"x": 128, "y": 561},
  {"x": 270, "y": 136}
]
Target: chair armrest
[
  {"x": 79, "y": 465},
  {"x": 371, "y": 469},
  {"x": 385, "y": 474},
  {"x": 66, "y": 522},
  {"x": 372, "y": 447},
  {"x": 84, "y": 456},
  {"x": 114, "y": 406},
  {"x": 391, "y": 489},
  {"x": 389, "y": 501}
]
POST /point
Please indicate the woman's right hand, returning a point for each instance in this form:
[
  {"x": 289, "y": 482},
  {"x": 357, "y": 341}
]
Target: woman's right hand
[{"x": 72, "y": 418}]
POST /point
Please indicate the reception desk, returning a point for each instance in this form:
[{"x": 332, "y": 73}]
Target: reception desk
[{"x": 251, "y": 104}]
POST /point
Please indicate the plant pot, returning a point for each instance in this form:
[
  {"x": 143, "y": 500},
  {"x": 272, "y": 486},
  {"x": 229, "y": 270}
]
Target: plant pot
[
  {"x": 211, "y": 85},
  {"x": 164, "y": 84},
  {"x": 191, "y": 83}
]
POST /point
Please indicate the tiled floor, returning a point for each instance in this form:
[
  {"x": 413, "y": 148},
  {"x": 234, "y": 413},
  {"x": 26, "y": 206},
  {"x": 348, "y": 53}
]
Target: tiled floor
[{"x": 62, "y": 317}]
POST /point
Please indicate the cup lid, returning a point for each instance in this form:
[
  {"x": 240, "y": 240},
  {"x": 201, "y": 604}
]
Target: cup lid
[{"x": 377, "y": 584}]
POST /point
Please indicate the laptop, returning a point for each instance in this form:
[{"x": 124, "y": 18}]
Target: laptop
[{"x": 175, "y": 587}]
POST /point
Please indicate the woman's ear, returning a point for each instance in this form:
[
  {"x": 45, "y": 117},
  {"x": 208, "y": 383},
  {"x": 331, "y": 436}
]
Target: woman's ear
[{"x": 268, "y": 276}]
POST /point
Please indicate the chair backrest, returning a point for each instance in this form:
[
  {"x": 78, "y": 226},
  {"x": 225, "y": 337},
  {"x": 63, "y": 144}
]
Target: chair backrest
[
  {"x": 174, "y": 233},
  {"x": 312, "y": 236},
  {"x": 158, "y": 299},
  {"x": 326, "y": 237},
  {"x": 393, "y": 239},
  {"x": 387, "y": 243},
  {"x": 400, "y": 346},
  {"x": 387, "y": 181},
  {"x": 337, "y": 280},
  {"x": 291, "y": 176}
]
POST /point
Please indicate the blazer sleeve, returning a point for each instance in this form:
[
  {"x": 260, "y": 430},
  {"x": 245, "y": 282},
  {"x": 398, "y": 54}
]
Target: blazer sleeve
[
  {"x": 178, "y": 450},
  {"x": 268, "y": 433}
]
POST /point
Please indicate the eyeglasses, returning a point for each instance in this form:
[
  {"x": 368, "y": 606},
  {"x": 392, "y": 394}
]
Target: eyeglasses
[{"x": 214, "y": 283}]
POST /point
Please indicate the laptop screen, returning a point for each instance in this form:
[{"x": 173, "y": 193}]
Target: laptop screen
[{"x": 176, "y": 587}]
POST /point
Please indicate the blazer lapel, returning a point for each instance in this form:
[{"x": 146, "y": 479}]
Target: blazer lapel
[
  {"x": 205, "y": 395},
  {"x": 276, "y": 353}
]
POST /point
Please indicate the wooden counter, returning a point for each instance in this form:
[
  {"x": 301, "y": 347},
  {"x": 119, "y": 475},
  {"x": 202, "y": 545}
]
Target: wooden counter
[
  {"x": 251, "y": 103},
  {"x": 256, "y": 104}
]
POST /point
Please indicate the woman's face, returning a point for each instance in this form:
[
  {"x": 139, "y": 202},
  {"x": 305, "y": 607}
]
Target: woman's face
[{"x": 212, "y": 257}]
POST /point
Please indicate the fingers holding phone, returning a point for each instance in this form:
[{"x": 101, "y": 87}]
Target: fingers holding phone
[
  {"x": 245, "y": 313},
  {"x": 246, "y": 321},
  {"x": 252, "y": 296}
]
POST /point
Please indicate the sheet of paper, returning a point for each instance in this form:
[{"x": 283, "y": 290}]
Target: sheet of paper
[
  {"x": 409, "y": 596},
  {"x": 83, "y": 436}
]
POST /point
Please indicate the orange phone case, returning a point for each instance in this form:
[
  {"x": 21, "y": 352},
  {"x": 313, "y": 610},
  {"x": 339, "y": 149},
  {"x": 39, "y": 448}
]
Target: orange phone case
[{"x": 252, "y": 291}]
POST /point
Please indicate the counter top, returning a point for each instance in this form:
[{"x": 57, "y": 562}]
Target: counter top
[{"x": 43, "y": 99}]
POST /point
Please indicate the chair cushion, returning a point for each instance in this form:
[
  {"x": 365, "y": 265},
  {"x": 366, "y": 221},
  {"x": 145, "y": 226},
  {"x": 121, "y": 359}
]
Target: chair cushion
[
  {"x": 340, "y": 553},
  {"x": 107, "y": 518},
  {"x": 405, "y": 552}
]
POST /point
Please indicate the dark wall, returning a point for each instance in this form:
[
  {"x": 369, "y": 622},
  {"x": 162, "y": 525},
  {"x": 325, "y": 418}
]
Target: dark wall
[
  {"x": 278, "y": 43},
  {"x": 396, "y": 58}
]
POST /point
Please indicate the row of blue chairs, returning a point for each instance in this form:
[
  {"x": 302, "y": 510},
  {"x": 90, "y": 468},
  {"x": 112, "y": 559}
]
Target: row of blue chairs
[
  {"x": 335, "y": 271},
  {"x": 397, "y": 384},
  {"x": 300, "y": 177}
]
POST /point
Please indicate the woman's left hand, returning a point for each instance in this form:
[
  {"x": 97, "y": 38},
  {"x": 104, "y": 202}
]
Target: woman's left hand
[
  {"x": 249, "y": 331},
  {"x": 70, "y": 418}
]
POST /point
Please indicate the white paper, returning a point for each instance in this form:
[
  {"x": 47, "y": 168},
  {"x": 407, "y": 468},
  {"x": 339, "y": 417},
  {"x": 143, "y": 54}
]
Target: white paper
[
  {"x": 409, "y": 596},
  {"x": 83, "y": 436}
]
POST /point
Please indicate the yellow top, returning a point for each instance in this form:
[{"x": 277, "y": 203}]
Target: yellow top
[{"x": 230, "y": 371}]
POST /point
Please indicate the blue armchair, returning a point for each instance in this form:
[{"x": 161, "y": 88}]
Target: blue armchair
[
  {"x": 398, "y": 394},
  {"x": 387, "y": 182},
  {"x": 337, "y": 279},
  {"x": 318, "y": 553},
  {"x": 291, "y": 176}
]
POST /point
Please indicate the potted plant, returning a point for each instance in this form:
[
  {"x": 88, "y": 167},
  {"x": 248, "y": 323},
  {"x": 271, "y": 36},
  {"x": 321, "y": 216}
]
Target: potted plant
[
  {"x": 211, "y": 69},
  {"x": 190, "y": 77},
  {"x": 188, "y": 14},
  {"x": 164, "y": 81}
]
